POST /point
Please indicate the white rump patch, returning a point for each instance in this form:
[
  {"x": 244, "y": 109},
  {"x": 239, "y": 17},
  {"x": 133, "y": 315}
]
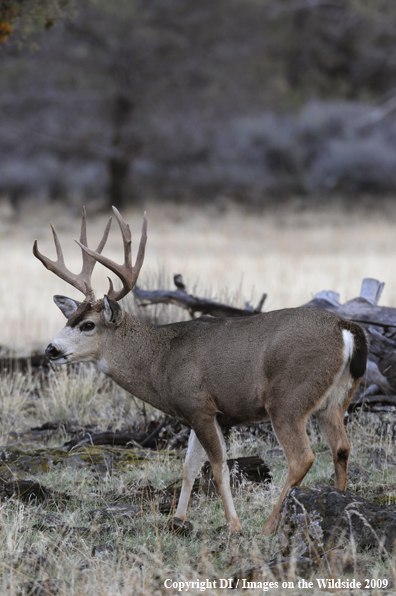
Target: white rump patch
[
  {"x": 343, "y": 381},
  {"x": 349, "y": 344}
]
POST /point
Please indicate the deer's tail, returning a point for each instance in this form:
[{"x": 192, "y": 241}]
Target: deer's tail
[{"x": 358, "y": 361}]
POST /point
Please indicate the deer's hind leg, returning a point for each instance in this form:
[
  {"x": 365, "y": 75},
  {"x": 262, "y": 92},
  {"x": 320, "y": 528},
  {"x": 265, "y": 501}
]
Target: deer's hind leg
[
  {"x": 332, "y": 426},
  {"x": 292, "y": 435},
  {"x": 331, "y": 422},
  {"x": 195, "y": 457}
]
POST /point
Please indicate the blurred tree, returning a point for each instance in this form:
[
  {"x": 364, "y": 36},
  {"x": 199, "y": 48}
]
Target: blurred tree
[
  {"x": 160, "y": 85},
  {"x": 122, "y": 67},
  {"x": 336, "y": 47}
]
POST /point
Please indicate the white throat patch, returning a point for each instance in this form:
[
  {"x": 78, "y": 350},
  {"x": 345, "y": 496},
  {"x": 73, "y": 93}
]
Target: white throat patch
[{"x": 102, "y": 366}]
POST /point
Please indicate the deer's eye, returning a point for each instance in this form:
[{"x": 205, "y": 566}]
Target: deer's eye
[{"x": 88, "y": 326}]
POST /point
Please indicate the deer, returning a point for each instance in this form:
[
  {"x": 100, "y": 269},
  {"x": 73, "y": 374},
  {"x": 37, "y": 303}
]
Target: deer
[{"x": 209, "y": 373}]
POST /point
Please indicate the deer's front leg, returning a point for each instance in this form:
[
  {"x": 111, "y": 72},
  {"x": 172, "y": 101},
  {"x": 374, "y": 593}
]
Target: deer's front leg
[
  {"x": 195, "y": 457},
  {"x": 211, "y": 437}
]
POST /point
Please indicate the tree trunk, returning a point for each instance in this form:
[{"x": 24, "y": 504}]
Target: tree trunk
[{"x": 120, "y": 189}]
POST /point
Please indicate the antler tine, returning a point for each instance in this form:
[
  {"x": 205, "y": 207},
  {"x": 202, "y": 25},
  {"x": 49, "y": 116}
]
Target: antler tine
[
  {"x": 58, "y": 267},
  {"x": 82, "y": 281},
  {"x": 59, "y": 253},
  {"x": 126, "y": 238},
  {"x": 142, "y": 246},
  {"x": 127, "y": 273},
  {"x": 88, "y": 262}
]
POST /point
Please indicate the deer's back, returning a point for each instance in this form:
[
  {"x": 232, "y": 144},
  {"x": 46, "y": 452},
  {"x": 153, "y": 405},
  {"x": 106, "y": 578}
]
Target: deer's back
[{"x": 245, "y": 363}]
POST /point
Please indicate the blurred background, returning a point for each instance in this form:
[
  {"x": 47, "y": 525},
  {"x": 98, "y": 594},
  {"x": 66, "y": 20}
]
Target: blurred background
[{"x": 260, "y": 135}]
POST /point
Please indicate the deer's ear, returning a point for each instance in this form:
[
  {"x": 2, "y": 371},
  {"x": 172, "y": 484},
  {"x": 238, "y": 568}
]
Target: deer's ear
[
  {"x": 68, "y": 306},
  {"x": 112, "y": 313}
]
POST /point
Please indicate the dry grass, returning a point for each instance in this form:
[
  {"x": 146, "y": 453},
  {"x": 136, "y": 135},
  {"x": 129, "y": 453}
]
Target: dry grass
[
  {"x": 288, "y": 253},
  {"x": 140, "y": 554}
]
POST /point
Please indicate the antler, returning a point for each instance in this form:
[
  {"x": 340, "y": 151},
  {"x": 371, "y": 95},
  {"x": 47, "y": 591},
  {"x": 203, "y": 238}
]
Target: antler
[
  {"x": 82, "y": 281},
  {"x": 127, "y": 273}
]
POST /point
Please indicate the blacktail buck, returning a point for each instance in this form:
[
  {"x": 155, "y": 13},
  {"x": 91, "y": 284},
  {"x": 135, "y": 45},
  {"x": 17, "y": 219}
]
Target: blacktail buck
[{"x": 215, "y": 372}]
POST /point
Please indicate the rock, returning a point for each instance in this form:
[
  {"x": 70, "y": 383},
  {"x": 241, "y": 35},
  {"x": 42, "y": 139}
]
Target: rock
[{"x": 316, "y": 519}]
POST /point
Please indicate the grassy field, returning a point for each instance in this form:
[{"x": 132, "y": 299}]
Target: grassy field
[{"x": 288, "y": 253}]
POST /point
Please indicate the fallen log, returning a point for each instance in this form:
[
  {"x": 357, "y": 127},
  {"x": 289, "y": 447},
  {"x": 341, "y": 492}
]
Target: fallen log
[
  {"x": 192, "y": 303},
  {"x": 106, "y": 438},
  {"x": 363, "y": 309},
  {"x": 138, "y": 439},
  {"x": 369, "y": 402},
  {"x": 28, "y": 490}
]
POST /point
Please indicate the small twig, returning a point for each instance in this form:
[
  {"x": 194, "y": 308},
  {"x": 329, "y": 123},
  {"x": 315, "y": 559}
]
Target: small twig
[
  {"x": 134, "y": 443},
  {"x": 261, "y": 303},
  {"x": 144, "y": 413},
  {"x": 84, "y": 441}
]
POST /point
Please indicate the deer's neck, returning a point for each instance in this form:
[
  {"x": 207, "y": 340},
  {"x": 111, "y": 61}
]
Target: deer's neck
[{"x": 132, "y": 358}]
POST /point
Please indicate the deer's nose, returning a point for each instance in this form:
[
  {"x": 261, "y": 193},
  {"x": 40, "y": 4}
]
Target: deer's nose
[{"x": 52, "y": 352}]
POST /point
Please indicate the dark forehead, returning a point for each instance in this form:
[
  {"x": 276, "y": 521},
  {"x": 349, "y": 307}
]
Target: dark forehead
[{"x": 83, "y": 310}]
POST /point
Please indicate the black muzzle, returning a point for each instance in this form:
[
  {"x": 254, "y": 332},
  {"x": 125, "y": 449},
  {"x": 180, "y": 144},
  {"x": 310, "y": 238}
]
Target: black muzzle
[{"x": 52, "y": 352}]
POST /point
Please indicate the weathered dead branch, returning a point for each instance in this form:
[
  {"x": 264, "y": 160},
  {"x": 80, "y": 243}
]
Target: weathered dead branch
[{"x": 193, "y": 304}]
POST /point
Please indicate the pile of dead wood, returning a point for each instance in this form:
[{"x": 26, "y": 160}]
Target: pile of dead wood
[{"x": 377, "y": 391}]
